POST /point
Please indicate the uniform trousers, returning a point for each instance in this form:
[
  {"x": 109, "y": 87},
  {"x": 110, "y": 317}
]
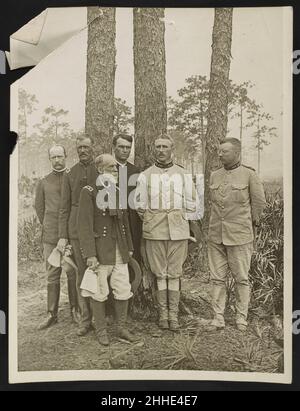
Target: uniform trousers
[
  {"x": 84, "y": 303},
  {"x": 224, "y": 259},
  {"x": 166, "y": 259}
]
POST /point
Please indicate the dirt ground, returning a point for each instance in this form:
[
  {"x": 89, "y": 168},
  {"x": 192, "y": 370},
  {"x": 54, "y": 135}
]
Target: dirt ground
[{"x": 194, "y": 348}]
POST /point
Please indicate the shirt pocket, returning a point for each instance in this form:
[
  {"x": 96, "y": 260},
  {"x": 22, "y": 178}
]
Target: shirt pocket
[
  {"x": 240, "y": 193},
  {"x": 148, "y": 221},
  {"x": 149, "y": 215},
  {"x": 214, "y": 191}
]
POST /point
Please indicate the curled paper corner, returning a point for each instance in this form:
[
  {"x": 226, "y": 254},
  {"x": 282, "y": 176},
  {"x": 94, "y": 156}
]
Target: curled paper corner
[
  {"x": 7, "y": 55},
  {"x": 43, "y": 34},
  {"x": 31, "y": 32}
]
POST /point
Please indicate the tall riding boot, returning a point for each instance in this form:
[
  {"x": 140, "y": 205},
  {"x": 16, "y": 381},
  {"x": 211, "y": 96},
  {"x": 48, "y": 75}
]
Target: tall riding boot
[
  {"x": 73, "y": 300},
  {"x": 242, "y": 292},
  {"x": 162, "y": 300},
  {"x": 99, "y": 311},
  {"x": 218, "y": 294},
  {"x": 174, "y": 298},
  {"x": 121, "y": 308},
  {"x": 53, "y": 291}
]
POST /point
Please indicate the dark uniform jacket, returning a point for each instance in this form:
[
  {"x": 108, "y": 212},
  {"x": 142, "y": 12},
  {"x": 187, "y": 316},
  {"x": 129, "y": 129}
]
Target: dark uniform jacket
[
  {"x": 47, "y": 205},
  {"x": 238, "y": 200},
  {"x": 134, "y": 219},
  {"x": 100, "y": 230},
  {"x": 74, "y": 180}
]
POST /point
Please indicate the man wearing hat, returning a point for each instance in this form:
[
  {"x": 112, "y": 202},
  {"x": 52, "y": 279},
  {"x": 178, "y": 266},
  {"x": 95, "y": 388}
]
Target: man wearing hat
[
  {"x": 47, "y": 205},
  {"x": 165, "y": 201},
  {"x": 238, "y": 200},
  {"x": 105, "y": 239}
]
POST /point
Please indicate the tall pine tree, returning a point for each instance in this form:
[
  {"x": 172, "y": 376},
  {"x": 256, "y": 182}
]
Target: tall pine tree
[{"x": 101, "y": 67}]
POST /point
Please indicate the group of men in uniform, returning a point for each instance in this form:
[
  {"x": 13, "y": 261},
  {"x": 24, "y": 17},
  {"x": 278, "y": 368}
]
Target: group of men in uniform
[{"x": 87, "y": 208}]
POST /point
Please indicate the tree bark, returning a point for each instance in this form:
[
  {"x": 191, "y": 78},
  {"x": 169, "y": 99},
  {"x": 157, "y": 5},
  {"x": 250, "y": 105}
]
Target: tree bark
[
  {"x": 101, "y": 67},
  {"x": 218, "y": 95},
  {"x": 258, "y": 145},
  {"x": 150, "y": 114},
  {"x": 150, "y": 81},
  {"x": 241, "y": 130}
]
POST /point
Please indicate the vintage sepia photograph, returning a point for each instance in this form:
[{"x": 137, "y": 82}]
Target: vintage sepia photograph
[{"x": 150, "y": 203}]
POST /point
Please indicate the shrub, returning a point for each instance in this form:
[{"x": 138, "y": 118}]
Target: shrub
[
  {"x": 29, "y": 240},
  {"x": 266, "y": 274}
]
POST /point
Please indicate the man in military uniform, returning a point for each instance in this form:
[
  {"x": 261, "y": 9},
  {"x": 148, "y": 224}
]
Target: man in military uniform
[
  {"x": 105, "y": 238},
  {"x": 47, "y": 205},
  {"x": 81, "y": 174},
  {"x": 237, "y": 202},
  {"x": 128, "y": 175},
  {"x": 165, "y": 196}
]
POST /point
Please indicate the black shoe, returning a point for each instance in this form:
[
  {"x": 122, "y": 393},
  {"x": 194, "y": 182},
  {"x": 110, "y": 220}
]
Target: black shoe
[
  {"x": 163, "y": 324},
  {"x": 50, "y": 320},
  {"x": 174, "y": 326},
  {"x": 102, "y": 337},
  {"x": 83, "y": 330},
  {"x": 126, "y": 335}
]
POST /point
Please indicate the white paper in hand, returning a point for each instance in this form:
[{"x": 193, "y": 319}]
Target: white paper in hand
[{"x": 90, "y": 281}]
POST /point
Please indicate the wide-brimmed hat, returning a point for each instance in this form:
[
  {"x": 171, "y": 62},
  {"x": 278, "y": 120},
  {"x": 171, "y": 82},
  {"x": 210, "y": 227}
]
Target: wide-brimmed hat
[
  {"x": 196, "y": 235},
  {"x": 68, "y": 265},
  {"x": 135, "y": 274}
]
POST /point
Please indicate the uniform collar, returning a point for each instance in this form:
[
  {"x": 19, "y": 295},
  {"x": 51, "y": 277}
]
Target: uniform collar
[
  {"x": 164, "y": 166},
  {"x": 122, "y": 165},
  {"x": 86, "y": 164},
  {"x": 237, "y": 165},
  {"x": 57, "y": 172}
]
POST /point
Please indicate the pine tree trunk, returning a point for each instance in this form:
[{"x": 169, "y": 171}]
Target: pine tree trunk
[
  {"x": 101, "y": 66},
  {"x": 258, "y": 145},
  {"x": 241, "y": 130},
  {"x": 150, "y": 81},
  {"x": 150, "y": 114},
  {"x": 218, "y": 95},
  {"x": 217, "y": 121}
]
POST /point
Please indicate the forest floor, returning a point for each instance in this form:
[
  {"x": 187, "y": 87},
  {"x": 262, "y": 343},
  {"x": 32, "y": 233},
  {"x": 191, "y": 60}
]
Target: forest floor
[{"x": 193, "y": 348}]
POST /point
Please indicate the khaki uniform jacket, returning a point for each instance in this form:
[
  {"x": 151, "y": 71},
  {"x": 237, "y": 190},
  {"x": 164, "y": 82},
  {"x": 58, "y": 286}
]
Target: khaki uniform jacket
[
  {"x": 74, "y": 180},
  {"x": 99, "y": 232},
  {"x": 164, "y": 207},
  {"x": 237, "y": 201},
  {"x": 47, "y": 204}
]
